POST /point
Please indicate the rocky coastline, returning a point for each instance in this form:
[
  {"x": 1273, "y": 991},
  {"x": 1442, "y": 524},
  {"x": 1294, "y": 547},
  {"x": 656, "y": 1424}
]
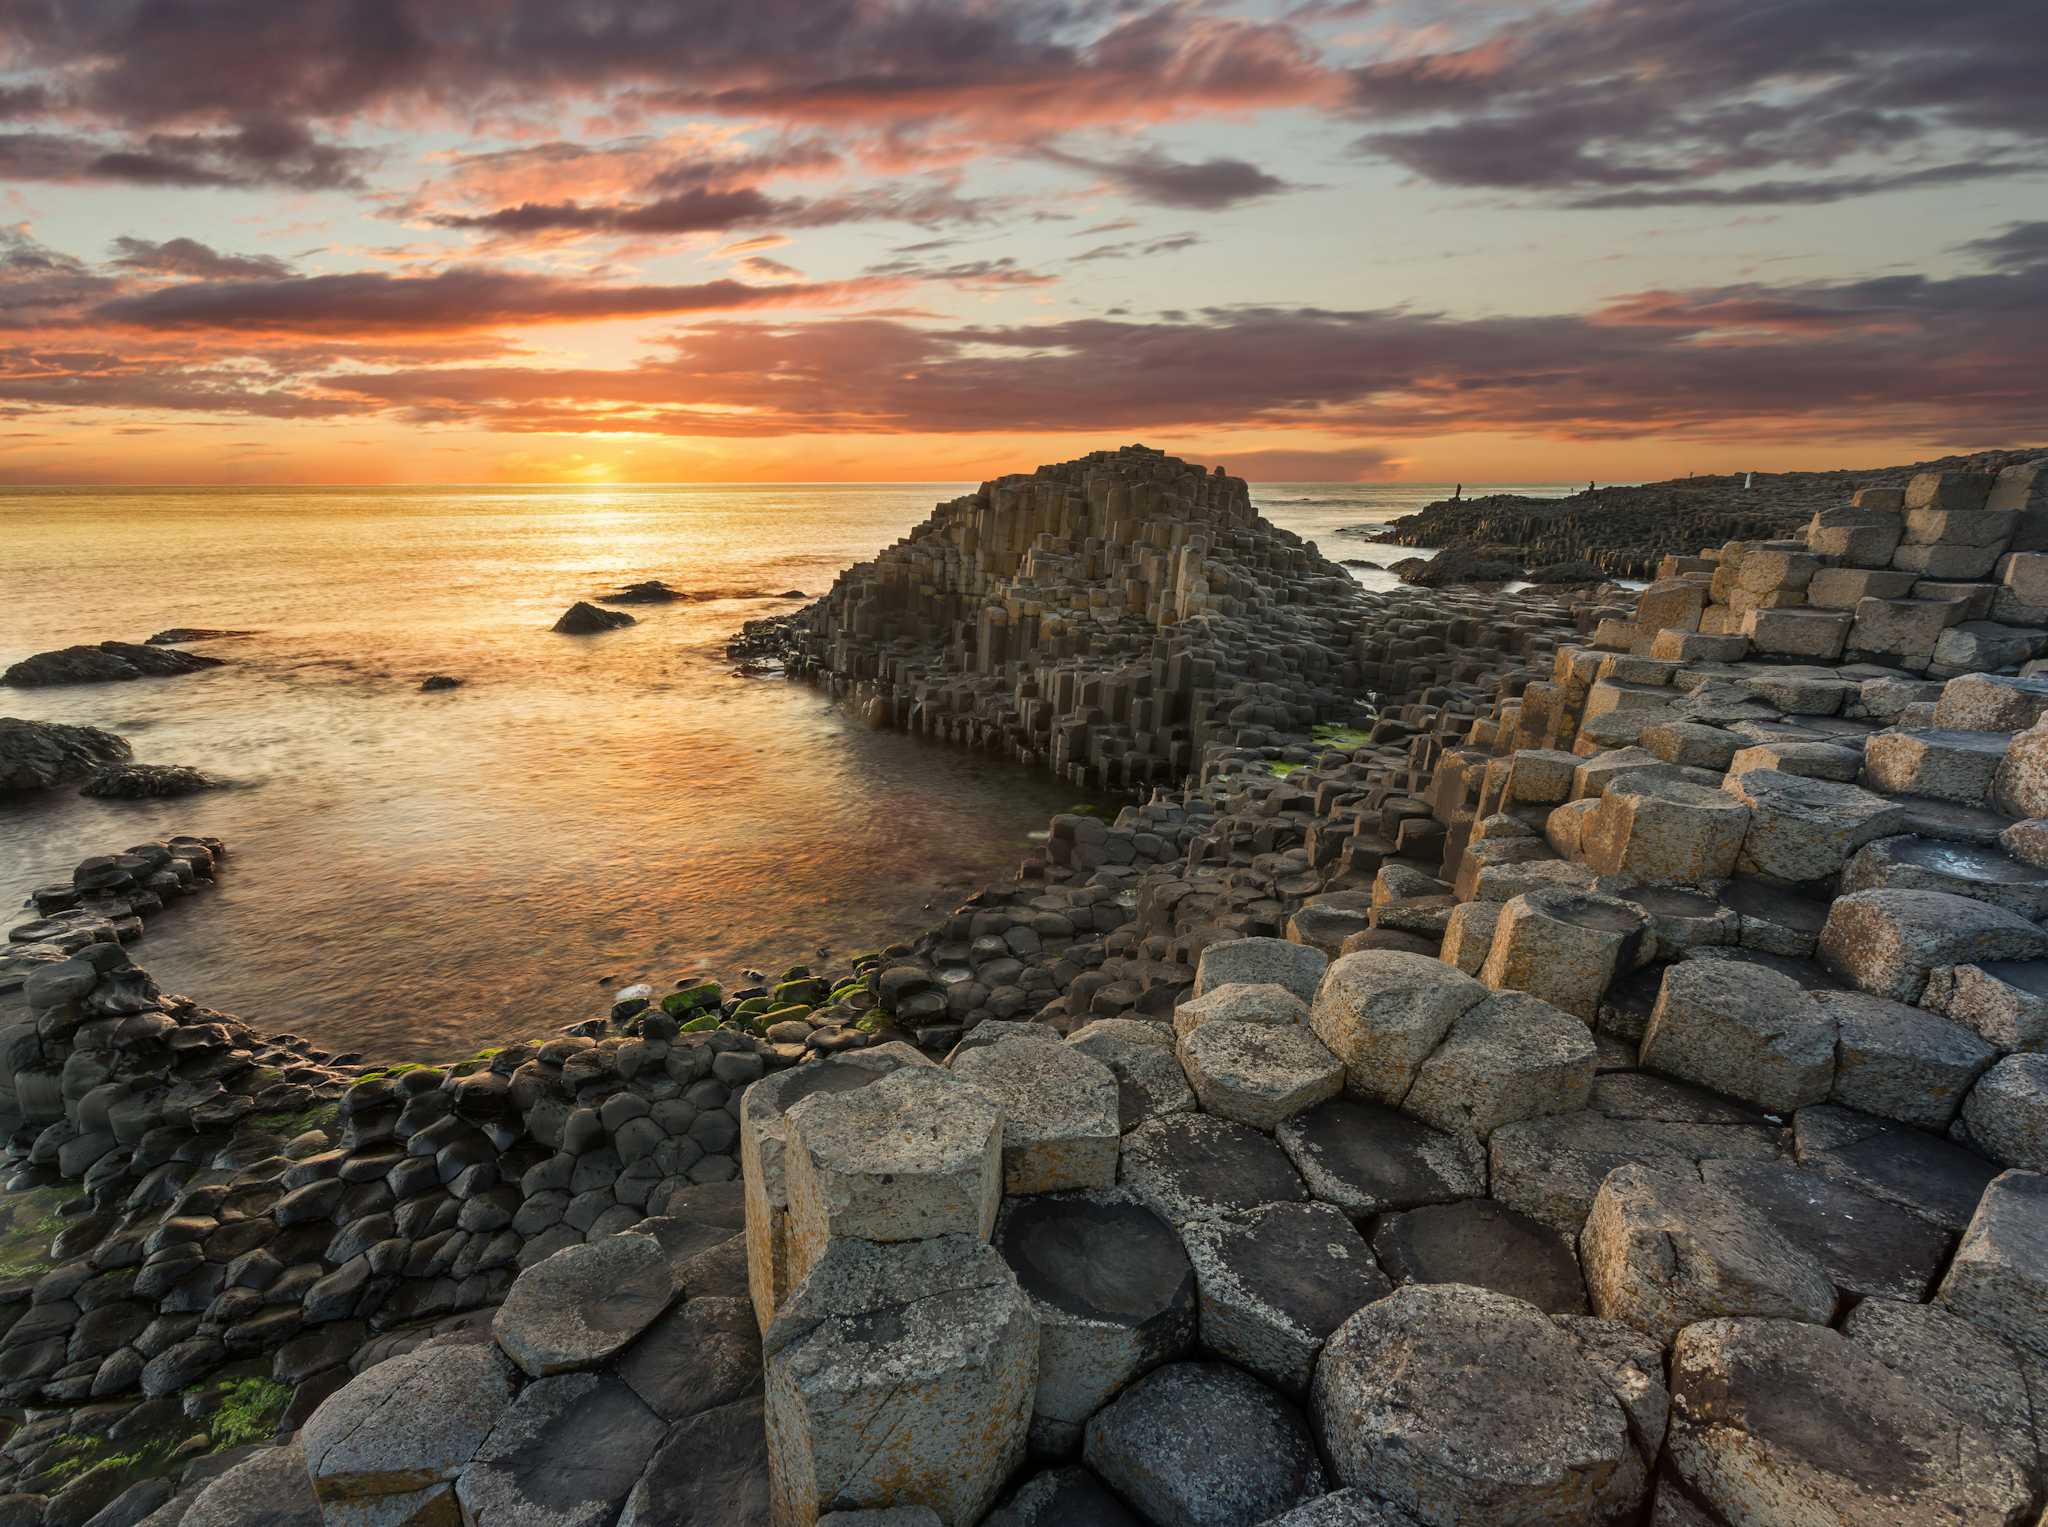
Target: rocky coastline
[
  {"x": 1624, "y": 532},
  {"x": 1518, "y": 1058}
]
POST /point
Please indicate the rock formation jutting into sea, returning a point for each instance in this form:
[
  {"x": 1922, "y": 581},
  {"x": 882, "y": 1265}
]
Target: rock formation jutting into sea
[{"x": 1519, "y": 1058}]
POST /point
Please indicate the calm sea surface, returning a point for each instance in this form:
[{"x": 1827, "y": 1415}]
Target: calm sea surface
[{"x": 415, "y": 875}]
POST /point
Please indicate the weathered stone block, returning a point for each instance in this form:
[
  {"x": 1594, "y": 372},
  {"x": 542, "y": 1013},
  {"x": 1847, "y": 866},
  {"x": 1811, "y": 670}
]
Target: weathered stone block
[
  {"x": 1204, "y": 1445},
  {"x": 2006, "y": 1113},
  {"x": 1804, "y": 830},
  {"x": 1999, "y": 1278},
  {"x": 2020, "y": 787},
  {"x": 926, "y": 1403},
  {"x": 1260, "y": 962},
  {"x": 1460, "y": 1405},
  {"x": 1990, "y": 702},
  {"x": 916, "y": 1154},
  {"x": 1382, "y": 1013},
  {"x": 1657, "y": 827},
  {"x": 1662, "y": 1251},
  {"x": 1901, "y": 1062},
  {"x": 1269, "y": 1002},
  {"x": 1257, "y": 1073},
  {"x": 1367, "y": 1159},
  {"x": 1797, "y": 633},
  {"x": 1742, "y": 1030},
  {"x": 1776, "y": 1421},
  {"x": 1564, "y": 946},
  {"x": 1936, "y": 764},
  {"x": 1511, "y": 1057},
  {"x": 1061, "y": 1127},
  {"x": 1888, "y": 942},
  {"x": 1276, "y": 1282}
]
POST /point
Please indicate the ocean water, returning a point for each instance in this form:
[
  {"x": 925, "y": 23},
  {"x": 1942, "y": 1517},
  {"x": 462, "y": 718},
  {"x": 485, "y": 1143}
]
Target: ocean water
[{"x": 416, "y": 875}]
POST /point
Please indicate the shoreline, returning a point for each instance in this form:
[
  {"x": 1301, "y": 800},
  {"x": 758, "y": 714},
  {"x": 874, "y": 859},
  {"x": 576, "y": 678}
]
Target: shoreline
[{"x": 1195, "y": 1018}]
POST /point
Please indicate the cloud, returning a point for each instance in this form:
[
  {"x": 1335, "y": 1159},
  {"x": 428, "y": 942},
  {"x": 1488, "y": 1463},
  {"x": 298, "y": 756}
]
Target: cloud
[
  {"x": 1013, "y": 67},
  {"x": 1138, "y": 249},
  {"x": 1953, "y": 358},
  {"x": 1633, "y": 103},
  {"x": 2020, "y": 245},
  {"x": 190, "y": 258},
  {"x": 465, "y": 298},
  {"x": 39, "y": 284},
  {"x": 267, "y": 151},
  {"x": 1207, "y": 185}
]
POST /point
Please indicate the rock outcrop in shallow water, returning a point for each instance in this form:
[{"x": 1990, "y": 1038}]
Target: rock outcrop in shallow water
[
  {"x": 585, "y": 619},
  {"x": 106, "y": 663},
  {"x": 34, "y": 755}
]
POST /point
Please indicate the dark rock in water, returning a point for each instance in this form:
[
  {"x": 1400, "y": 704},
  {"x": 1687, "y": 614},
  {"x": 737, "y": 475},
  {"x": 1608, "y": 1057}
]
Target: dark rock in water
[
  {"x": 586, "y": 619},
  {"x": 792, "y": 594},
  {"x": 37, "y": 754},
  {"x": 141, "y": 782},
  {"x": 439, "y": 681},
  {"x": 653, "y": 591},
  {"x": 1456, "y": 564},
  {"x": 1362, "y": 562},
  {"x": 179, "y": 635},
  {"x": 105, "y": 663}
]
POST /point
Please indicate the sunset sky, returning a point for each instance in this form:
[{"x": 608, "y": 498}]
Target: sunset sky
[{"x": 618, "y": 240}]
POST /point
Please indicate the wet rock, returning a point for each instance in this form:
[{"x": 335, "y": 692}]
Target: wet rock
[
  {"x": 139, "y": 782},
  {"x": 568, "y": 1450},
  {"x": 1275, "y": 1282},
  {"x": 1484, "y": 1244},
  {"x": 585, "y": 619},
  {"x": 1836, "y": 1434},
  {"x": 1367, "y": 1159},
  {"x": 107, "y": 662},
  {"x": 1114, "y": 1294},
  {"x": 1933, "y": 1178},
  {"x": 1204, "y": 1445},
  {"x": 34, "y": 755}
]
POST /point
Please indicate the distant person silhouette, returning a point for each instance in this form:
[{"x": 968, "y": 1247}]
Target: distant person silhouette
[{"x": 1457, "y": 493}]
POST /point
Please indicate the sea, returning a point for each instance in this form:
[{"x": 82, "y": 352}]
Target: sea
[{"x": 418, "y": 875}]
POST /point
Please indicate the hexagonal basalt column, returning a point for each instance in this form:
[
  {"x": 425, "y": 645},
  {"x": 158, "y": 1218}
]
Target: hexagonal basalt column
[
  {"x": 899, "y": 1375},
  {"x": 1662, "y": 1251},
  {"x": 916, "y": 1154},
  {"x": 1257, "y": 1074},
  {"x": 1743, "y": 1030},
  {"x": 1564, "y": 946},
  {"x": 764, "y": 1138},
  {"x": 1461, "y": 1405},
  {"x": 1114, "y": 1294},
  {"x": 1382, "y": 1012},
  {"x": 1060, "y": 1113},
  {"x": 1511, "y": 1057},
  {"x": 1655, "y": 826},
  {"x": 1999, "y": 1278}
]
